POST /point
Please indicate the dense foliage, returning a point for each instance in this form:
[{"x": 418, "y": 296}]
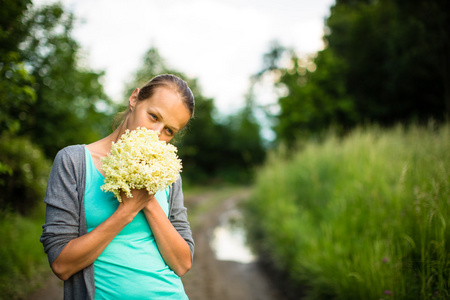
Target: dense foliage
[
  {"x": 360, "y": 218},
  {"x": 384, "y": 62},
  {"x": 17, "y": 94},
  {"x": 23, "y": 184},
  {"x": 71, "y": 106},
  {"x": 397, "y": 55},
  {"x": 48, "y": 100}
]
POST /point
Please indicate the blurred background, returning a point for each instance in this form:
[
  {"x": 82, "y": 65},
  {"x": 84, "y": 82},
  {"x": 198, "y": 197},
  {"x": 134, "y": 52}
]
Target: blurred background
[{"x": 334, "y": 114}]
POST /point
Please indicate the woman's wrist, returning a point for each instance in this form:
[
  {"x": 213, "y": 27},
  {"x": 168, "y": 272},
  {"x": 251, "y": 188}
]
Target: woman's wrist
[
  {"x": 151, "y": 204},
  {"x": 125, "y": 213}
]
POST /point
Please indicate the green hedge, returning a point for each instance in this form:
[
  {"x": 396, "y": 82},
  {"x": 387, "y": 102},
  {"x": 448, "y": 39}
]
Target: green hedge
[{"x": 360, "y": 218}]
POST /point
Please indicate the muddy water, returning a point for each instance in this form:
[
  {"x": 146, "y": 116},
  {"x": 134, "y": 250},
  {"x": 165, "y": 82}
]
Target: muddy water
[{"x": 228, "y": 239}]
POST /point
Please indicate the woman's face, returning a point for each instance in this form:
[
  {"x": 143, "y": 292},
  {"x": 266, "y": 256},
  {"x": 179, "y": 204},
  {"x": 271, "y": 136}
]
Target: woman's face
[{"x": 164, "y": 112}]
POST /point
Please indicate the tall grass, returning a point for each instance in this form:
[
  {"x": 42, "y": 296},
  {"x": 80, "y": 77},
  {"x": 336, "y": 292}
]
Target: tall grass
[
  {"x": 360, "y": 218},
  {"x": 23, "y": 263}
]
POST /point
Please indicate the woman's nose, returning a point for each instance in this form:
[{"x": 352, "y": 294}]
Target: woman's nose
[{"x": 159, "y": 128}]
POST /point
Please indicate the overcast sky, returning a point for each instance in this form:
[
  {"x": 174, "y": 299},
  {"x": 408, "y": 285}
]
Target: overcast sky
[{"x": 220, "y": 42}]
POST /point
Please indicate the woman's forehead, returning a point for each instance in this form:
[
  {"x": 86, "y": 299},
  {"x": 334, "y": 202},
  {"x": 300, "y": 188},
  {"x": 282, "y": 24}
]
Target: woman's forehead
[{"x": 169, "y": 104}]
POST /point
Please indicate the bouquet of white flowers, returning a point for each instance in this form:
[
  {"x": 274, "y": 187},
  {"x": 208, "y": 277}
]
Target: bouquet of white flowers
[{"x": 140, "y": 160}]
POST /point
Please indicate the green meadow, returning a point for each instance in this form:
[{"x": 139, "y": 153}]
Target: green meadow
[{"x": 360, "y": 217}]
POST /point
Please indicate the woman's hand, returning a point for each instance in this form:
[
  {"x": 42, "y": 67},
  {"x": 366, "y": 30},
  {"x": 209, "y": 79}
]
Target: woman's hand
[{"x": 138, "y": 200}]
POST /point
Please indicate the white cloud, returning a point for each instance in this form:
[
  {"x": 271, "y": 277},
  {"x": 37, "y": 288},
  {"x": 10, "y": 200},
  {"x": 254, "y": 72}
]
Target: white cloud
[{"x": 221, "y": 42}]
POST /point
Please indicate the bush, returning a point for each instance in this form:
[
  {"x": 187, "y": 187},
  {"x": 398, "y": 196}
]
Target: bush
[
  {"x": 359, "y": 218},
  {"x": 24, "y": 173}
]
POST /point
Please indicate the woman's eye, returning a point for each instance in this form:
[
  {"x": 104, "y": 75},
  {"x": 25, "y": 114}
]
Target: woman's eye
[
  {"x": 169, "y": 131},
  {"x": 154, "y": 117}
]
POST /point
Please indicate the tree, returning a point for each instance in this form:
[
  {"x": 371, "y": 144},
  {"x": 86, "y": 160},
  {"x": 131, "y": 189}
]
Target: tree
[
  {"x": 23, "y": 186},
  {"x": 245, "y": 146},
  {"x": 71, "y": 106},
  {"x": 47, "y": 99},
  {"x": 16, "y": 92},
  {"x": 316, "y": 98},
  {"x": 397, "y": 57},
  {"x": 385, "y": 62},
  {"x": 313, "y": 97}
]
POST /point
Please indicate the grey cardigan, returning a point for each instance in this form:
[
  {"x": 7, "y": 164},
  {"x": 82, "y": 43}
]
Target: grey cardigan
[{"x": 65, "y": 217}]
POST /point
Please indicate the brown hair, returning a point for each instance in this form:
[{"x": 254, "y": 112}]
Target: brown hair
[{"x": 164, "y": 80}]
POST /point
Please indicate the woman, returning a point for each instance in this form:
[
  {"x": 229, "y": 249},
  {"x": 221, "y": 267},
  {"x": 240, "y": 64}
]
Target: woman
[{"x": 134, "y": 249}]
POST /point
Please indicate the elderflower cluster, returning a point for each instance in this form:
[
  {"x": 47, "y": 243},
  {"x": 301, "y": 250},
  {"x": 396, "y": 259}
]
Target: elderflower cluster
[{"x": 140, "y": 160}]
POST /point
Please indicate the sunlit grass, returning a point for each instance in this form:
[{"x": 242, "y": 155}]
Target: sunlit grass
[{"x": 360, "y": 218}]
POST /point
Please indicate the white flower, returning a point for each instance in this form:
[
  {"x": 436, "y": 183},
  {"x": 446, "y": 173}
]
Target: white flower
[{"x": 140, "y": 160}]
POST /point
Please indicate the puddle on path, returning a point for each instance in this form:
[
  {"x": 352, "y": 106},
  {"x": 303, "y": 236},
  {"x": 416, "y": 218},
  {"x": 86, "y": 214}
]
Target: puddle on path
[{"x": 228, "y": 239}]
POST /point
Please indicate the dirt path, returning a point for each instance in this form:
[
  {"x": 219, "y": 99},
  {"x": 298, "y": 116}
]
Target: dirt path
[{"x": 209, "y": 278}]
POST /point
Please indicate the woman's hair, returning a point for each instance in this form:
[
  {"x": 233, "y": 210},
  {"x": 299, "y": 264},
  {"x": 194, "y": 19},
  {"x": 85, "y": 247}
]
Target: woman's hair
[{"x": 164, "y": 80}]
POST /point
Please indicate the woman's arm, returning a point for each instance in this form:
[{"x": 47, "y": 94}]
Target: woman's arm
[
  {"x": 81, "y": 252},
  {"x": 67, "y": 251},
  {"x": 173, "y": 248}
]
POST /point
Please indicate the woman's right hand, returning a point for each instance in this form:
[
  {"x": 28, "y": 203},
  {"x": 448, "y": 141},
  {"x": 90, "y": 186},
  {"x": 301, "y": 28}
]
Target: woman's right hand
[{"x": 137, "y": 201}]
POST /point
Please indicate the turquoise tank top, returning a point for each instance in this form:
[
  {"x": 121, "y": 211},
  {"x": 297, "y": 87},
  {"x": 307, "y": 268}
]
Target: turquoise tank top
[{"x": 131, "y": 266}]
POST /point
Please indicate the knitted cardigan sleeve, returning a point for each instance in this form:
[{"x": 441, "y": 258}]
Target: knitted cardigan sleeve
[
  {"x": 178, "y": 214},
  {"x": 62, "y": 217},
  {"x": 65, "y": 218}
]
